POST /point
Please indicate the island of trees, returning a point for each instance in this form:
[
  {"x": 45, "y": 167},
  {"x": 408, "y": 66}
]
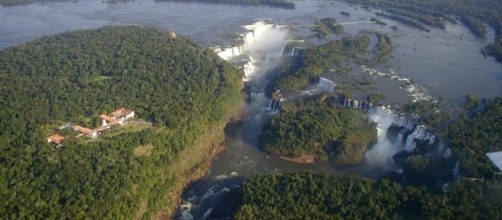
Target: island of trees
[
  {"x": 326, "y": 26},
  {"x": 317, "y": 60},
  {"x": 311, "y": 128},
  {"x": 181, "y": 88}
]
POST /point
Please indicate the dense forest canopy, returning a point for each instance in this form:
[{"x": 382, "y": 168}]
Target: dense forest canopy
[
  {"x": 317, "y": 60},
  {"x": 472, "y": 138},
  {"x": 183, "y": 89},
  {"x": 326, "y": 26},
  {"x": 322, "y": 196},
  {"x": 314, "y": 128}
]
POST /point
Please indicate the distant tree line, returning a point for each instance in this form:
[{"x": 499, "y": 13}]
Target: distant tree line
[
  {"x": 323, "y": 196},
  {"x": 274, "y": 3}
]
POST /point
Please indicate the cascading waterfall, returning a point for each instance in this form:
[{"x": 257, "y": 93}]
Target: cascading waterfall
[
  {"x": 410, "y": 133},
  {"x": 293, "y": 51},
  {"x": 262, "y": 47},
  {"x": 259, "y": 35},
  {"x": 357, "y": 104},
  {"x": 381, "y": 153}
]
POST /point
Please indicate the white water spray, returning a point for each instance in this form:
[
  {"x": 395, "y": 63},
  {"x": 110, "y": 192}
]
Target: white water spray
[
  {"x": 381, "y": 153},
  {"x": 416, "y": 91},
  {"x": 262, "y": 46}
]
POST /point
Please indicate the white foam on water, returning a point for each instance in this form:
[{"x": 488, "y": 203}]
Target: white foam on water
[
  {"x": 416, "y": 91},
  {"x": 186, "y": 207},
  {"x": 207, "y": 213}
]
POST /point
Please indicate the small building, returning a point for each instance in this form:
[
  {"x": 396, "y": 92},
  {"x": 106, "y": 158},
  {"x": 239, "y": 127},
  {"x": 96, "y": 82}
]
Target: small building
[
  {"x": 86, "y": 131},
  {"x": 107, "y": 121},
  {"x": 121, "y": 115},
  {"x": 118, "y": 116},
  {"x": 172, "y": 35},
  {"x": 55, "y": 138}
]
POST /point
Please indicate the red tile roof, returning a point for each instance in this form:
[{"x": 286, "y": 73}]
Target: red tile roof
[
  {"x": 121, "y": 112},
  {"x": 56, "y": 138},
  {"x": 83, "y": 130},
  {"x": 108, "y": 119}
]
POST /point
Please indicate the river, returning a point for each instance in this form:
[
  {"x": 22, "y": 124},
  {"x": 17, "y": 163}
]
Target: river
[{"x": 445, "y": 64}]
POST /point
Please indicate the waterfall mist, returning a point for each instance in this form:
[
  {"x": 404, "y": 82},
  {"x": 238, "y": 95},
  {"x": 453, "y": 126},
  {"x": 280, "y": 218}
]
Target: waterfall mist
[
  {"x": 266, "y": 51},
  {"x": 262, "y": 48},
  {"x": 381, "y": 153},
  {"x": 405, "y": 140}
]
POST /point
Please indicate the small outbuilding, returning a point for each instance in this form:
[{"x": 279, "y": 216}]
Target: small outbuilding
[
  {"x": 55, "y": 138},
  {"x": 86, "y": 131},
  {"x": 121, "y": 115}
]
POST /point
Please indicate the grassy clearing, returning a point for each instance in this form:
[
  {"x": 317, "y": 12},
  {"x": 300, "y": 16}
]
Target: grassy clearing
[
  {"x": 133, "y": 125},
  {"x": 143, "y": 150}
]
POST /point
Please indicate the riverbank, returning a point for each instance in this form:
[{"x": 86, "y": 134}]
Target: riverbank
[
  {"x": 304, "y": 159},
  {"x": 195, "y": 162}
]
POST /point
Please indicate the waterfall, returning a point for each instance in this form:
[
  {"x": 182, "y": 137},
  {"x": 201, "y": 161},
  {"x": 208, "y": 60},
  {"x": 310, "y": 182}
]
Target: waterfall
[
  {"x": 292, "y": 51},
  {"x": 249, "y": 68},
  {"x": 275, "y": 104},
  {"x": 356, "y": 104},
  {"x": 456, "y": 171},
  {"x": 409, "y": 145},
  {"x": 382, "y": 152},
  {"x": 418, "y": 133},
  {"x": 263, "y": 46}
]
